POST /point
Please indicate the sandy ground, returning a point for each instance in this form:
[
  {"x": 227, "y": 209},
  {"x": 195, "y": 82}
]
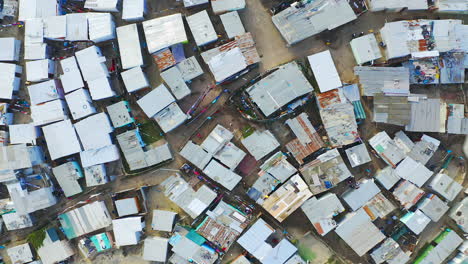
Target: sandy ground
[{"x": 273, "y": 50}]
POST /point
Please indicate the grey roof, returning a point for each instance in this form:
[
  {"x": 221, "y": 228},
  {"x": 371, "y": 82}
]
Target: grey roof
[
  {"x": 201, "y": 27},
  {"x": 190, "y": 68},
  {"x": 230, "y": 155},
  {"x": 279, "y": 88},
  {"x": 358, "y": 231},
  {"x": 181, "y": 193},
  {"x": 433, "y": 207},
  {"x": 388, "y": 80},
  {"x": 217, "y": 138},
  {"x": 254, "y": 241},
  {"x": 232, "y": 24},
  {"x": 260, "y": 144},
  {"x": 155, "y": 249},
  {"x": 426, "y": 116},
  {"x": 119, "y": 114},
  {"x": 278, "y": 166},
  {"x": 296, "y": 24},
  {"x": 302, "y": 128},
  {"x": 387, "y": 177},
  {"x": 459, "y": 212},
  {"x": 356, "y": 198},
  {"x": 358, "y": 155},
  {"x": 67, "y": 176},
  {"x": 320, "y": 212},
  {"x": 156, "y": 100},
  {"x": 170, "y": 117},
  {"x": 174, "y": 79},
  {"x": 413, "y": 171},
  {"x": 443, "y": 249},
  {"x": 416, "y": 221},
  {"x": 329, "y": 167},
  {"x": 445, "y": 186},
  {"x": 393, "y": 110},
  {"x": 163, "y": 220},
  {"x": 136, "y": 156},
  {"x": 196, "y": 155},
  {"x": 14, "y": 157},
  {"x": 26, "y": 202},
  {"x": 222, "y": 175},
  {"x": 387, "y": 149},
  {"x": 389, "y": 252}
]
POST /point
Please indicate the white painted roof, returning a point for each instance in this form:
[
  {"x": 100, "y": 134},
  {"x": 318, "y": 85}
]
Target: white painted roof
[
  {"x": 92, "y": 63},
  {"x": 232, "y": 24},
  {"x": 10, "y": 49},
  {"x": 222, "y": 6},
  {"x": 39, "y": 70},
  {"x": 80, "y": 104},
  {"x": 101, "y": 27},
  {"x": 129, "y": 46},
  {"x": 202, "y": 29},
  {"x": 8, "y": 81},
  {"x": 324, "y": 71},
  {"x": 100, "y": 88},
  {"x": 23, "y": 134},
  {"x": 365, "y": 49},
  {"x": 164, "y": 31},
  {"x": 77, "y": 27},
  {"x": 20, "y": 254},
  {"x": 48, "y": 112},
  {"x": 102, "y": 5},
  {"x": 43, "y": 92},
  {"x": 156, "y": 100},
  {"x": 55, "y": 27},
  {"x": 36, "y": 51},
  {"x": 217, "y": 172},
  {"x": 99, "y": 156},
  {"x": 170, "y": 117},
  {"x": 61, "y": 139},
  {"x": 133, "y": 10},
  {"x": 37, "y": 9},
  {"x": 127, "y": 231},
  {"x": 134, "y": 79},
  {"x": 34, "y": 31},
  {"x": 174, "y": 79},
  {"x": 94, "y": 131}
]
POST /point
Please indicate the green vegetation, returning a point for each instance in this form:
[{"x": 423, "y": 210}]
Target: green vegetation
[
  {"x": 247, "y": 131},
  {"x": 150, "y": 132},
  {"x": 36, "y": 238},
  {"x": 306, "y": 253}
]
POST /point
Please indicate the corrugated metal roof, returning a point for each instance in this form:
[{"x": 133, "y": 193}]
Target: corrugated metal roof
[
  {"x": 164, "y": 59},
  {"x": 389, "y": 252},
  {"x": 296, "y": 24},
  {"x": 358, "y": 155},
  {"x": 170, "y": 117},
  {"x": 196, "y": 155},
  {"x": 433, "y": 207},
  {"x": 365, "y": 49},
  {"x": 320, "y": 212},
  {"x": 260, "y": 144},
  {"x": 443, "y": 249},
  {"x": 408, "y": 194},
  {"x": 164, "y": 31},
  {"x": 221, "y": 6},
  {"x": 217, "y": 172},
  {"x": 428, "y": 116},
  {"x": 413, "y": 171},
  {"x": 445, "y": 186},
  {"x": 279, "y": 88},
  {"x": 356, "y": 198},
  {"x": 359, "y": 232},
  {"x": 174, "y": 79},
  {"x": 388, "y": 80}
]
